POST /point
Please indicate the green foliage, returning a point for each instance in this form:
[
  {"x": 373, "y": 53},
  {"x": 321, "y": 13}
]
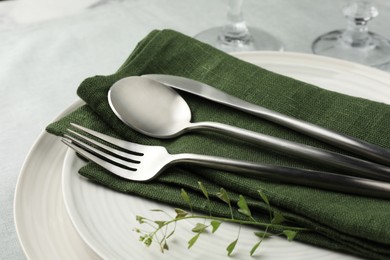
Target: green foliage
[
  {"x": 290, "y": 234},
  {"x": 192, "y": 241},
  {"x": 254, "y": 248},
  {"x": 180, "y": 213},
  {"x": 243, "y": 207},
  {"x": 231, "y": 247},
  {"x": 205, "y": 193},
  {"x": 186, "y": 198},
  {"x": 212, "y": 223},
  {"x": 199, "y": 228},
  {"x": 215, "y": 225},
  {"x": 263, "y": 234},
  {"x": 263, "y": 196},
  {"x": 140, "y": 219},
  {"x": 222, "y": 194},
  {"x": 278, "y": 218}
]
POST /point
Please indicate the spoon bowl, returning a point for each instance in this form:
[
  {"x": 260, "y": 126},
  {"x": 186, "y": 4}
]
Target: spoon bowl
[{"x": 148, "y": 107}]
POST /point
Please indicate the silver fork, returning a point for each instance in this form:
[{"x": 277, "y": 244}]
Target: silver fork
[{"x": 142, "y": 163}]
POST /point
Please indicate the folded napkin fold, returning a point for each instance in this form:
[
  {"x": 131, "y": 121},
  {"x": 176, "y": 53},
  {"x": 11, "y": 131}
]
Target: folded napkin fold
[{"x": 352, "y": 224}]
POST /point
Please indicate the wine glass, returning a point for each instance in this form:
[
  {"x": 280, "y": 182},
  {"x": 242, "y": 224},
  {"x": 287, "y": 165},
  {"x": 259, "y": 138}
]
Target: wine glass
[
  {"x": 235, "y": 35},
  {"x": 356, "y": 43}
]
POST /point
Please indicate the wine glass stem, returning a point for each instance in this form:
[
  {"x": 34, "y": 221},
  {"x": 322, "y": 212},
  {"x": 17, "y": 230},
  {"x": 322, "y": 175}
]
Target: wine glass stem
[
  {"x": 236, "y": 28},
  {"x": 359, "y": 13},
  {"x": 356, "y": 34}
]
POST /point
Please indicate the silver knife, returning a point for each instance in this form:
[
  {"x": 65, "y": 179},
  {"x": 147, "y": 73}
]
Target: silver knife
[{"x": 359, "y": 147}]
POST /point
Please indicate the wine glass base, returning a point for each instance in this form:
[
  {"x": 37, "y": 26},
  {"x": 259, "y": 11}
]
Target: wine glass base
[
  {"x": 376, "y": 53},
  {"x": 259, "y": 40}
]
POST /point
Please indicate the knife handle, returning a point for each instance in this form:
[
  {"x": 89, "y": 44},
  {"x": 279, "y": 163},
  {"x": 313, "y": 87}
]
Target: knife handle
[{"x": 354, "y": 145}]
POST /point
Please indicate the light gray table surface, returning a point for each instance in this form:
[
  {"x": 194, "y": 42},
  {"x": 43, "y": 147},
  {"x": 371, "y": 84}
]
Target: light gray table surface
[{"x": 43, "y": 62}]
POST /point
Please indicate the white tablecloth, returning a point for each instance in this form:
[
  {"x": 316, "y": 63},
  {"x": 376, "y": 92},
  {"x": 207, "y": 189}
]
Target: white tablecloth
[{"x": 42, "y": 61}]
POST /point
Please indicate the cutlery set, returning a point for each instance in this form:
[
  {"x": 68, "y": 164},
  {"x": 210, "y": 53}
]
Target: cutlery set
[{"x": 149, "y": 105}]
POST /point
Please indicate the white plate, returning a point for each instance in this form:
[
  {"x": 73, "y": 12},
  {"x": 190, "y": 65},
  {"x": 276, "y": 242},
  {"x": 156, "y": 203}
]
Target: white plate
[
  {"x": 42, "y": 224},
  {"x": 46, "y": 232},
  {"x": 105, "y": 218}
]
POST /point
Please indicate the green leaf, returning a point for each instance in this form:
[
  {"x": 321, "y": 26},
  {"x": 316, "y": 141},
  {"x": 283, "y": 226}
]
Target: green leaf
[
  {"x": 215, "y": 225},
  {"x": 222, "y": 194},
  {"x": 231, "y": 247},
  {"x": 278, "y": 218},
  {"x": 160, "y": 223},
  {"x": 157, "y": 210},
  {"x": 180, "y": 213},
  {"x": 164, "y": 246},
  {"x": 263, "y": 197},
  {"x": 206, "y": 194},
  {"x": 199, "y": 228},
  {"x": 243, "y": 206},
  {"x": 290, "y": 234},
  {"x": 140, "y": 219},
  {"x": 254, "y": 248},
  {"x": 185, "y": 196},
  {"x": 262, "y": 234},
  {"x": 148, "y": 241},
  {"x": 192, "y": 241}
]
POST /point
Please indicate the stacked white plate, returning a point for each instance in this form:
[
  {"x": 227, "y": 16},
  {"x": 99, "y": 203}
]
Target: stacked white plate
[{"x": 60, "y": 215}]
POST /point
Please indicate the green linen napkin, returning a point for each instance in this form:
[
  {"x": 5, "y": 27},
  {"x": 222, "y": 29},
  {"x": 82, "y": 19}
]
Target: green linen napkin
[{"x": 352, "y": 224}]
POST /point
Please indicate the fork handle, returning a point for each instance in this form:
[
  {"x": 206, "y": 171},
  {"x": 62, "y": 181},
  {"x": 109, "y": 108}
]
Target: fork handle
[
  {"x": 354, "y": 166},
  {"x": 310, "y": 178}
]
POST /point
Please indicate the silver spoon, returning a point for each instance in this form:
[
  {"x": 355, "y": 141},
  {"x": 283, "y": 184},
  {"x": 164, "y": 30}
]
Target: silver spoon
[{"x": 156, "y": 110}]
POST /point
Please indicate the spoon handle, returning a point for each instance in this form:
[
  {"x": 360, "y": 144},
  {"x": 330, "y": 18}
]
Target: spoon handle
[
  {"x": 310, "y": 178},
  {"x": 359, "y": 147},
  {"x": 354, "y": 166}
]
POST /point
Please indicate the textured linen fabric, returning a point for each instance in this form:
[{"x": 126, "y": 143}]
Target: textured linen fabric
[{"x": 353, "y": 224}]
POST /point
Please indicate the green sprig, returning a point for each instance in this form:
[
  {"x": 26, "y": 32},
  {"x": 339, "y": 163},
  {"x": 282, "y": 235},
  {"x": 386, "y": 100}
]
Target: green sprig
[{"x": 212, "y": 223}]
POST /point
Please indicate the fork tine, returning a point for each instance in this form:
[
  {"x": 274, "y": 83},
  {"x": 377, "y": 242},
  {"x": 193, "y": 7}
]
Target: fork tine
[
  {"x": 132, "y": 147},
  {"x": 126, "y": 173},
  {"x": 120, "y": 162},
  {"x": 126, "y": 156}
]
